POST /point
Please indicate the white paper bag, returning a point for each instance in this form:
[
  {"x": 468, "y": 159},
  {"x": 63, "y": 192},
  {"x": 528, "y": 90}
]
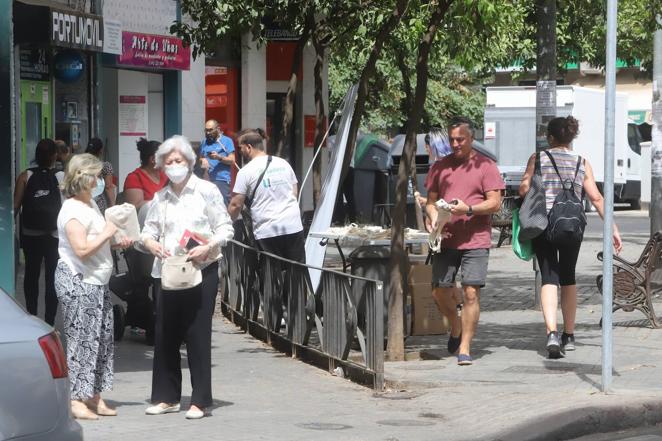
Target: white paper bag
[{"x": 125, "y": 219}]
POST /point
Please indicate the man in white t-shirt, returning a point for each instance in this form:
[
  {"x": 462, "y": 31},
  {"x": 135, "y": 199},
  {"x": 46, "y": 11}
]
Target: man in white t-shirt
[{"x": 274, "y": 208}]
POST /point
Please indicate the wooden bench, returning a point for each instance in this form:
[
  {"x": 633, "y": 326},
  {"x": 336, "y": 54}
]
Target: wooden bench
[{"x": 632, "y": 280}]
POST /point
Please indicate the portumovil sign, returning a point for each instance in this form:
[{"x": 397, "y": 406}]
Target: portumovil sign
[{"x": 77, "y": 30}]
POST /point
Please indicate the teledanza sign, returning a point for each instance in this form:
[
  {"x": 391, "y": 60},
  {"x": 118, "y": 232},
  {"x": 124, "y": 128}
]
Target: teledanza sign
[{"x": 76, "y": 30}]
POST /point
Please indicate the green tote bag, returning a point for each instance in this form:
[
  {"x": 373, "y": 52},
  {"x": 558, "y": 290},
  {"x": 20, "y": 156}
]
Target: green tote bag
[{"x": 523, "y": 250}]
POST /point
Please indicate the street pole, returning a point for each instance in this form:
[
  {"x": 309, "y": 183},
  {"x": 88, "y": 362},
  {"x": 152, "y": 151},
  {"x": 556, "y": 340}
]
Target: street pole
[
  {"x": 656, "y": 150},
  {"x": 545, "y": 91},
  {"x": 607, "y": 238}
]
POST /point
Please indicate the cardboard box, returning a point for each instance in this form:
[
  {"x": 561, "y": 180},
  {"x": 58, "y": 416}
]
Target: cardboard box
[
  {"x": 425, "y": 316},
  {"x": 420, "y": 274}
]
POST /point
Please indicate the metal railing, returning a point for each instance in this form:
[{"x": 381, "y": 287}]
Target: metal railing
[{"x": 272, "y": 299}]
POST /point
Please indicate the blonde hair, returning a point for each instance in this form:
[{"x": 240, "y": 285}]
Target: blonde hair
[{"x": 81, "y": 174}]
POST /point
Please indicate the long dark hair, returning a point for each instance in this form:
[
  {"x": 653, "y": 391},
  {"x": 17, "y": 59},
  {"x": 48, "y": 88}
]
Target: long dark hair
[{"x": 45, "y": 153}]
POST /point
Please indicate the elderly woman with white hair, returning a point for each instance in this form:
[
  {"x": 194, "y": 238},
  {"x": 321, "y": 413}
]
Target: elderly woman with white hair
[
  {"x": 187, "y": 218},
  {"x": 81, "y": 276}
]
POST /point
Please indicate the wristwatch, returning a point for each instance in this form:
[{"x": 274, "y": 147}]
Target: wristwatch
[{"x": 471, "y": 211}]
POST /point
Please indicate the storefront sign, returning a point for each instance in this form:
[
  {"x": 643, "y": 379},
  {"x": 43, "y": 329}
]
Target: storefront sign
[
  {"x": 133, "y": 115},
  {"x": 112, "y": 37},
  {"x": 156, "y": 51},
  {"x": 68, "y": 66},
  {"x": 77, "y": 30},
  {"x": 216, "y": 70},
  {"x": 35, "y": 64}
]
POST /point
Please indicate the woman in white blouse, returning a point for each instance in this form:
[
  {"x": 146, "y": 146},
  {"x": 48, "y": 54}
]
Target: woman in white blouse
[
  {"x": 81, "y": 276},
  {"x": 186, "y": 206}
]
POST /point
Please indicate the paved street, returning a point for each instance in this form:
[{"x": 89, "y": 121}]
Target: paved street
[{"x": 512, "y": 391}]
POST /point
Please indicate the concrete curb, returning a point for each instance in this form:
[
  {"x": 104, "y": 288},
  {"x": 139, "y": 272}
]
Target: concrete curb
[{"x": 585, "y": 421}]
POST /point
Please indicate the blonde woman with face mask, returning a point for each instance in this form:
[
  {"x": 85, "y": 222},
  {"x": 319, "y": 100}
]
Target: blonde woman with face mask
[
  {"x": 187, "y": 217},
  {"x": 81, "y": 279}
]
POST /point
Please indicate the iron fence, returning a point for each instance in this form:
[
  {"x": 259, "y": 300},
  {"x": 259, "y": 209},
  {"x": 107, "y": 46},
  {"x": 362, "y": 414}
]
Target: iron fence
[{"x": 272, "y": 299}]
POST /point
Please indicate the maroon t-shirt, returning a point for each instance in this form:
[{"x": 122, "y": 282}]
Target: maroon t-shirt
[{"x": 468, "y": 181}]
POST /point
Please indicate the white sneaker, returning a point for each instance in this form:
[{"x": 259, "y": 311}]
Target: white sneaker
[
  {"x": 162, "y": 408},
  {"x": 194, "y": 414}
]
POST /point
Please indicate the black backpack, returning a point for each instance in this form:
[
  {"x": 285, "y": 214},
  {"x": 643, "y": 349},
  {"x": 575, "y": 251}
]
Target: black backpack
[
  {"x": 41, "y": 201},
  {"x": 567, "y": 219}
]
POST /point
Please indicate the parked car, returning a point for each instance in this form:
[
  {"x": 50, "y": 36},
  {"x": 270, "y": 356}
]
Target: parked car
[{"x": 34, "y": 382}]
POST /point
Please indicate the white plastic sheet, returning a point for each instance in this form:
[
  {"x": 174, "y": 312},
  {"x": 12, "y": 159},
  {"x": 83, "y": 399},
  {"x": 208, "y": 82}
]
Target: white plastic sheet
[{"x": 324, "y": 212}]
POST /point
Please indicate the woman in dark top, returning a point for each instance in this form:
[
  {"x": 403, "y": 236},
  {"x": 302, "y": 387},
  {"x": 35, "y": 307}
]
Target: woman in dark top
[{"x": 39, "y": 243}]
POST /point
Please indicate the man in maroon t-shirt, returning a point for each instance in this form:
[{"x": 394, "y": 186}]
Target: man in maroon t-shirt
[{"x": 472, "y": 184}]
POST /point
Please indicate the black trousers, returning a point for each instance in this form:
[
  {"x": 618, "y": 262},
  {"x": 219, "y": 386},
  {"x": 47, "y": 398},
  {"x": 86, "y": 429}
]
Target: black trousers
[
  {"x": 184, "y": 316},
  {"x": 38, "y": 249},
  {"x": 289, "y": 246}
]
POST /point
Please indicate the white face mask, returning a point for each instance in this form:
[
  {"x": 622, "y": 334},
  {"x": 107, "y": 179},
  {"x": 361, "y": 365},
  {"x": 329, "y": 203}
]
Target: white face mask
[
  {"x": 176, "y": 173},
  {"x": 99, "y": 188}
]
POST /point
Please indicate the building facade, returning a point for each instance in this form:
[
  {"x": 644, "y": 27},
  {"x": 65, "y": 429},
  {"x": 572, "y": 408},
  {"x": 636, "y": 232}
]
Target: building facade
[{"x": 97, "y": 68}]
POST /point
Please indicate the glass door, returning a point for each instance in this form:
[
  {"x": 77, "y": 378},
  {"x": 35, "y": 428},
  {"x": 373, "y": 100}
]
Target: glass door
[{"x": 36, "y": 105}]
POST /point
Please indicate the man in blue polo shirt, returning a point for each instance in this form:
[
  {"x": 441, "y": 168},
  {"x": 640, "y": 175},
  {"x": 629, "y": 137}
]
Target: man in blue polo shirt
[{"x": 218, "y": 150}]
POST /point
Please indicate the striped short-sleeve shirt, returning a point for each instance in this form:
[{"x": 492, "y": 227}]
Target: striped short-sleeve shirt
[{"x": 566, "y": 161}]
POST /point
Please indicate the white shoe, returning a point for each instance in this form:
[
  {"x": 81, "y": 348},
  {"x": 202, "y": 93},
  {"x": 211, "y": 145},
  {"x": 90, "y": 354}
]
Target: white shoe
[
  {"x": 194, "y": 414},
  {"x": 162, "y": 408}
]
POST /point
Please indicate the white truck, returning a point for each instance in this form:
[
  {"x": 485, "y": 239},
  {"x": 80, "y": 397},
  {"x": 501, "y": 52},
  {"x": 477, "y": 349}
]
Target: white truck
[{"x": 510, "y": 119}]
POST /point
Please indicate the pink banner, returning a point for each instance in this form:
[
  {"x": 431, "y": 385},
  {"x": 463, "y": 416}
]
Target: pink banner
[{"x": 156, "y": 51}]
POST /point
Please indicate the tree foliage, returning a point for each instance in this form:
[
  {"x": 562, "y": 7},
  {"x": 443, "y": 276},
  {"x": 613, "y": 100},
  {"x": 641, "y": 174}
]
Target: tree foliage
[{"x": 581, "y": 28}]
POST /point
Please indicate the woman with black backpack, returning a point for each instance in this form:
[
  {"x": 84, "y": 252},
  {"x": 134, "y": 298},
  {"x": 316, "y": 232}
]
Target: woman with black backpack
[
  {"x": 566, "y": 177},
  {"x": 38, "y": 198}
]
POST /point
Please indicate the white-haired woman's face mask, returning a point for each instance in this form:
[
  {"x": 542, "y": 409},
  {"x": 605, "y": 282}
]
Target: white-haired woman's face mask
[{"x": 176, "y": 167}]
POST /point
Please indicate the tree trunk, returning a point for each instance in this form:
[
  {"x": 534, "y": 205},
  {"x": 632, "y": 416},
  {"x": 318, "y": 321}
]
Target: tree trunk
[
  {"x": 288, "y": 108},
  {"x": 545, "y": 69},
  {"x": 320, "y": 117},
  {"x": 399, "y": 265},
  {"x": 401, "y": 61},
  {"x": 545, "y": 90},
  {"x": 366, "y": 74}
]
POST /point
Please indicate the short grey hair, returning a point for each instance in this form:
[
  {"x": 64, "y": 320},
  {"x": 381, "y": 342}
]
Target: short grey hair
[
  {"x": 459, "y": 121},
  {"x": 179, "y": 143}
]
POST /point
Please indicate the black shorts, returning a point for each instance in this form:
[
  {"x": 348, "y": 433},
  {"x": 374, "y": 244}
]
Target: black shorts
[
  {"x": 557, "y": 264},
  {"x": 448, "y": 262}
]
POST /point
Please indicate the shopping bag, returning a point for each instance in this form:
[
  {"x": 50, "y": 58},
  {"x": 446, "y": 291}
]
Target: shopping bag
[
  {"x": 524, "y": 249},
  {"x": 533, "y": 212}
]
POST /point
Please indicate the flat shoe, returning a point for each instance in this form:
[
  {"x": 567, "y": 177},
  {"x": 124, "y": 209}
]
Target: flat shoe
[
  {"x": 464, "y": 360},
  {"x": 81, "y": 412},
  {"x": 161, "y": 408},
  {"x": 194, "y": 414},
  {"x": 454, "y": 343},
  {"x": 101, "y": 410}
]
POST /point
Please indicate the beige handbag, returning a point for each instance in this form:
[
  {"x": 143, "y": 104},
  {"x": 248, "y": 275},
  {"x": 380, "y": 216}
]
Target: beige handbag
[{"x": 177, "y": 272}]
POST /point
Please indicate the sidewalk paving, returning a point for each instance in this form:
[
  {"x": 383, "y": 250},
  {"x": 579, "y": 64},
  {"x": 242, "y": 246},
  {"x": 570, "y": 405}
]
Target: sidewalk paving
[{"x": 511, "y": 392}]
